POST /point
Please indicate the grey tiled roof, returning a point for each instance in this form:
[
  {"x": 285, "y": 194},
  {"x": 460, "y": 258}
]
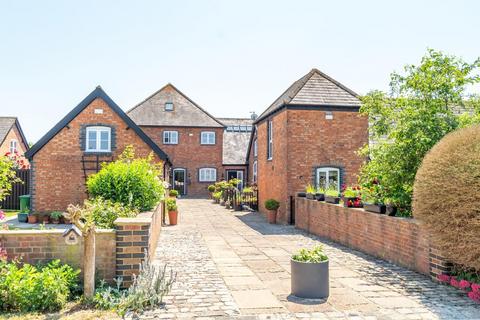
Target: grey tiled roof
[
  {"x": 235, "y": 145},
  {"x": 186, "y": 113},
  {"x": 6, "y": 124},
  {"x": 316, "y": 89},
  {"x": 236, "y": 121}
]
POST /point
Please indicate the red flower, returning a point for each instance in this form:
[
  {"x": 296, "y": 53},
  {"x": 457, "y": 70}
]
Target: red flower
[
  {"x": 475, "y": 287},
  {"x": 454, "y": 282},
  {"x": 464, "y": 284},
  {"x": 474, "y": 295},
  {"x": 445, "y": 278}
]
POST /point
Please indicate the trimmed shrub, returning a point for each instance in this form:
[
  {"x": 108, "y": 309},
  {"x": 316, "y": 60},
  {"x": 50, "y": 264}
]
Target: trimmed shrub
[
  {"x": 134, "y": 182},
  {"x": 105, "y": 212},
  {"x": 446, "y": 196},
  {"x": 272, "y": 204},
  {"x": 25, "y": 288},
  {"x": 171, "y": 204},
  {"x": 173, "y": 193}
]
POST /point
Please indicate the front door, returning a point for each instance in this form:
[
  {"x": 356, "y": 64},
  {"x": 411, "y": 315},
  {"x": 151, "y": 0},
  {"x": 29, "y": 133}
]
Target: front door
[
  {"x": 236, "y": 174},
  {"x": 179, "y": 180}
]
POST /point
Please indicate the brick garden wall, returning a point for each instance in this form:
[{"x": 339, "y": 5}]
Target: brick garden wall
[
  {"x": 399, "y": 240},
  {"x": 57, "y": 173},
  {"x": 41, "y": 246},
  {"x": 189, "y": 154}
]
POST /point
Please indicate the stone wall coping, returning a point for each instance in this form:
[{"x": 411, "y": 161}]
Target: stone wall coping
[
  {"x": 363, "y": 211},
  {"x": 53, "y": 231},
  {"x": 136, "y": 220}
]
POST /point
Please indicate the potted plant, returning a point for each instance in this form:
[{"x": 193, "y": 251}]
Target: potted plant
[
  {"x": 372, "y": 199},
  {"x": 320, "y": 194},
  {"x": 309, "y": 274},
  {"x": 211, "y": 190},
  {"x": 310, "y": 191},
  {"x": 173, "y": 193},
  {"x": 32, "y": 218},
  {"x": 45, "y": 218},
  {"x": 172, "y": 211},
  {"x": 23, "y": 216},
  {"x": 301, "y": 194},
  {"x": 351, "y": 197},
  {"x": 332, "y": 196},
  {"x": 216, "y": 196},
  {"x": 390, "y": 207},
  {"x": 272, "y": 206},
  {"x": 237, "y": 203},
  {"x": 55, "y": 216}
]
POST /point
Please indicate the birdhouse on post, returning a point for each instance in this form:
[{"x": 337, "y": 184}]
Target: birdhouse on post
[{"x": 72, "y": 235}]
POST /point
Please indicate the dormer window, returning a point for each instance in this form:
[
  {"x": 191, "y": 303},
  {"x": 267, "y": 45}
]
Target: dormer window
[
  {"x": 13, "y": 146},
  {"x": 98, "y": 139},
  {"x": 169, "y": 106}
]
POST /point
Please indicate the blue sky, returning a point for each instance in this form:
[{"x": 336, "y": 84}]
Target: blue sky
[{"x": 231, "y": 57}]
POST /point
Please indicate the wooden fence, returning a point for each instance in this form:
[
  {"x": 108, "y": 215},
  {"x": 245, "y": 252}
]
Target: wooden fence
[{"x": 12, "y": 201}]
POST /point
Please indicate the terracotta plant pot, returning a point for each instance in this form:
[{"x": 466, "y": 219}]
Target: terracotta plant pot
[
  {"x": 272, "y": 216},
  {"x": 172, "y": 217},
  {"x": 32, "y": 219}
]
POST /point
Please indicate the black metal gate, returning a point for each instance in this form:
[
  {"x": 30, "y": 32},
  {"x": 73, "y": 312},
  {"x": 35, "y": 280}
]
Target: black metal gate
[
  {"x": 12, "y": 201},
  {"x": 292, "y": 210}
]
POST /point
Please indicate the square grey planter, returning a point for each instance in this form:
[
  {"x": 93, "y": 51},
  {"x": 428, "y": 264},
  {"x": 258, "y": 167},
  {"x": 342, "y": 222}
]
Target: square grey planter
[{"x": 310, "y": 280}]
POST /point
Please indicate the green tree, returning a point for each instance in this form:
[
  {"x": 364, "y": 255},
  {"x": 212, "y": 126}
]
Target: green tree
[
  {"x": 423, "y": 105},
  {"x": 7, "y": 176}
]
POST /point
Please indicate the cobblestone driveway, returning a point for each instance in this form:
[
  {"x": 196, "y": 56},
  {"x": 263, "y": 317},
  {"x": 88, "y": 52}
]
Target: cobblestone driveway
[{"x": 235, "y": 265}]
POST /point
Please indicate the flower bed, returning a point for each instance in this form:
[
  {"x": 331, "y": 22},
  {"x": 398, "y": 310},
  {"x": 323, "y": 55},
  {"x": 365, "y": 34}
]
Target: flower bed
[{"x": 472, "y": 289}]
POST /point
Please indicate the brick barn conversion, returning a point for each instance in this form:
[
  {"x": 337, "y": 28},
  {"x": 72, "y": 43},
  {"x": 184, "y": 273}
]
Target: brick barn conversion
[{"x": 308, "y": 135}]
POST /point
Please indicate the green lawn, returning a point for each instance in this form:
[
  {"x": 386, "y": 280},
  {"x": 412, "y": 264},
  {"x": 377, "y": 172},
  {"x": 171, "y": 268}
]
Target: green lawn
[{"x": 10, "y": 213}]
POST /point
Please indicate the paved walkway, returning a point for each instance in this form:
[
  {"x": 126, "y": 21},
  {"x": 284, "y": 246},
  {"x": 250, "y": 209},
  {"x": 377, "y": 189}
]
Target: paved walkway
[{"x": 235, "y": 265}]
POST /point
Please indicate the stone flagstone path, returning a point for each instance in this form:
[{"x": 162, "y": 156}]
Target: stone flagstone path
[{"x": 234, "y": 265}]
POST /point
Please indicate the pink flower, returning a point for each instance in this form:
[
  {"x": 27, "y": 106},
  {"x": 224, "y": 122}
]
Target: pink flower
[
  {"x": 474, "y": 295},
  {"x": 2, "y": 215},
  {"x": 475, "y": 287},
  {"x": 454, "y": 282},
  {"x": 464, "y": 284},
  {"x": 3, "y": 254},
  {"x": 445, "y": 278}
]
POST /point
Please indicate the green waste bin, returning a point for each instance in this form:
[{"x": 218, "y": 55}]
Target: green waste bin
[{"x": 24, "y": 203}]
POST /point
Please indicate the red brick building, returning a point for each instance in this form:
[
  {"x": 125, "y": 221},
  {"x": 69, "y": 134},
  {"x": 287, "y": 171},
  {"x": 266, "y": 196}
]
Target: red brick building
[
  {"x": 310, "y": 134},
  {"x": 95, "y": 131},
  {"x": 12, "y": 139},
  {"x": 198, "y": 144}
]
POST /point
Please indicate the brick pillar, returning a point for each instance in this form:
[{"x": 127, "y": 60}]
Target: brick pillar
[
  {"x": 132, "y": 237},
  {"x": 438, "y": 263}
]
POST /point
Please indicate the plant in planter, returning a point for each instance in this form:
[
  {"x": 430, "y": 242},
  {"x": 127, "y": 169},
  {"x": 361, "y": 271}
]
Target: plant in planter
[
  {"x": 32, "y": 218},
  {"x": 45, "y": 218},
  {"x": 172, "y": 211},
  {"x": 272, "y": 206},
  {"x": 310, "y": 191},
  {"x": 310, "y": 276},
  {"x": 390, "y": 207},
  {"x": 351, "y": 197},
  {"x": 211, "y": 190},
  {"x": 216, "y": 196},
  {"x": 55, "y": 216},
  {"x": 173, "y": 193},
  {"x": 320, "y": 194},
  {"x": 373, "y": 198},
  {"x": 332, "y": 196}
]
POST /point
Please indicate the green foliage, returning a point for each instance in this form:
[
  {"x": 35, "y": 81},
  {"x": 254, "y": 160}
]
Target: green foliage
[
  {"x": 320, "y": 190},
  {"x": 171, "y": 204},
  {"x": 217, "y": 195},
  {"x": 373, "y": 193},
  {"x": 272, "y": 204},
  {"x": 173, "y": 193},
  {"x": 314, "y": 255},
  {"x": 7, "y": 176},
  {"x": 332, "y": 192},
  {"x": 351, "y": 192},
  {"x": 211, "y": 188},
  {"x": 105, "y": 212},
  {"x": 134, "y": 182},
  {"x": 310, "y": 189},
  {"x": 416, "y": 114},
  {"x": 56, "y": 215},
  {"x": 25, "y": 288},
  {"x": 147, "y": 291},
  {"x": 247, "y": 190}
]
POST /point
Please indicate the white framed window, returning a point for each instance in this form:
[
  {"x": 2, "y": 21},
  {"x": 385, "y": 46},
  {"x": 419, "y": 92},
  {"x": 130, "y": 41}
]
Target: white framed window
[
  {"x": 13, "y": 146},
  {"x": 269, "y": 140},
  {"x": 207, "y": 175},
  {"x": 170, "y": 137},
  {"x": 169, "y": 106},
  {"x": 99, "y": 139},
  {"x": 255, "y": 171},
  {"x": 327, "y": 177},
  {"x": 255, "y": 148},
  {"x": 207, "y": 137}
]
